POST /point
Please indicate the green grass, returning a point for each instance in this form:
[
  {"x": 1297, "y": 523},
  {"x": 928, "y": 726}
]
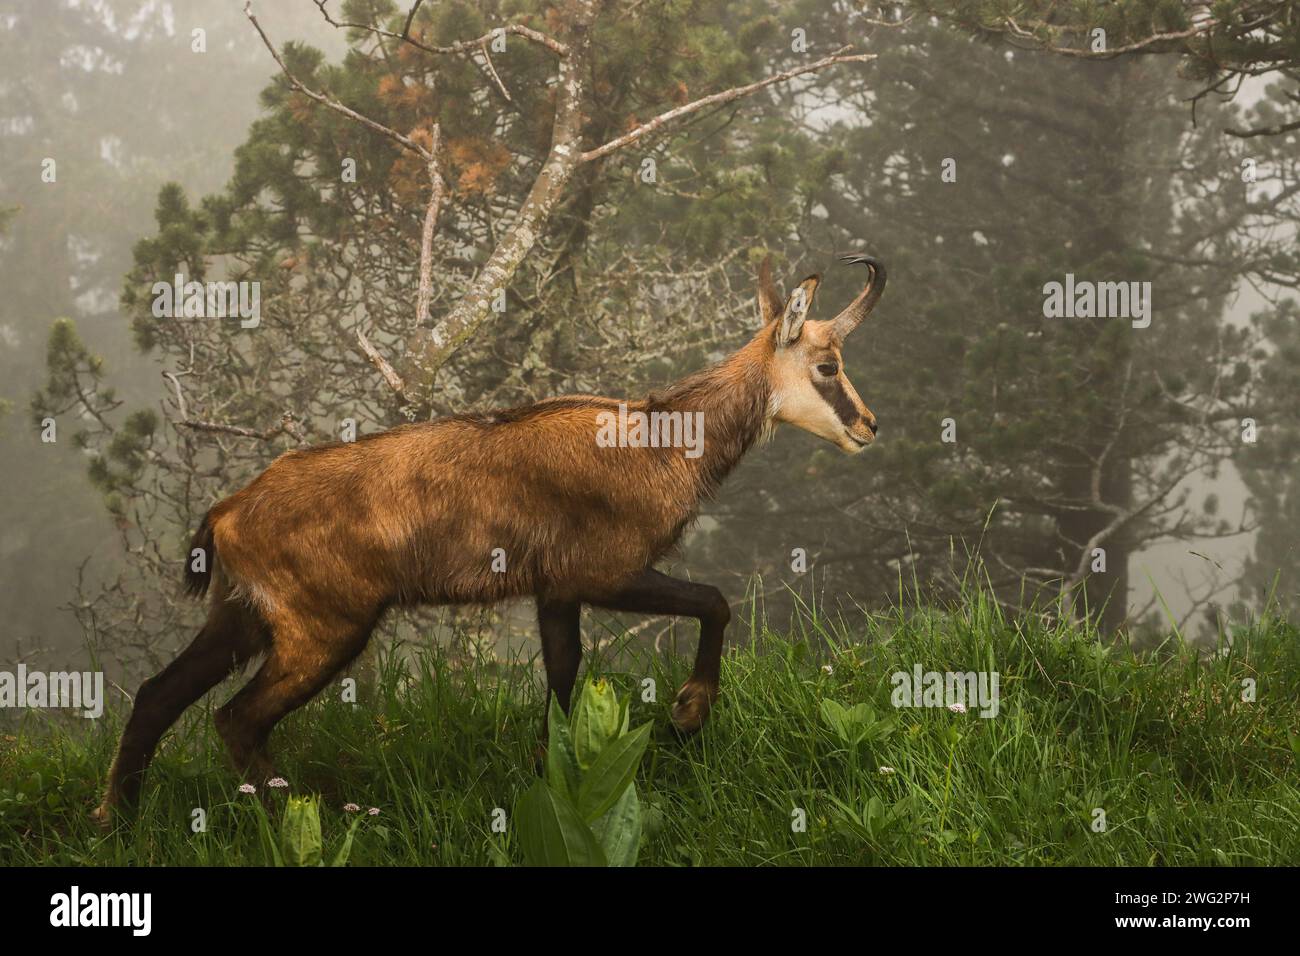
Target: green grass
[{"x": 1184, "y": 769}]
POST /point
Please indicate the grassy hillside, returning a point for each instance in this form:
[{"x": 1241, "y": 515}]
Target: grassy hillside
[{"x": 1185, "y": 770}]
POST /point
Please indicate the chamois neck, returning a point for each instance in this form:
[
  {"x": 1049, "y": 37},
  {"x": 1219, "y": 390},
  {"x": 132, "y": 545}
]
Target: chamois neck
[{"x": 732, "y": 396}]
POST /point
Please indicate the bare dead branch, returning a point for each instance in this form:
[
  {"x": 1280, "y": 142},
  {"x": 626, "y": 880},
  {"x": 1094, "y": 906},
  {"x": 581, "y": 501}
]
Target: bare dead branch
[
  {"x": 180, "y": 398},
  {"x": 726, "y": 96},
  {"x": 492, "y": 72},
  {"x": 1276, "y": 130},
  {"x": 1155, "y": 43},
  {"x": 406, "y": 27},
  {"x": 284, "y": 427},
  {"x": 404, "y": 141},
  {"x": 425, "y": 293},
  {"x": 461, "y": 46},
  {"x": 387, "y": 371}
]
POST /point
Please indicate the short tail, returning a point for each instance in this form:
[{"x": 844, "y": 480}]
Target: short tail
[{"x": 199, "y": 561}]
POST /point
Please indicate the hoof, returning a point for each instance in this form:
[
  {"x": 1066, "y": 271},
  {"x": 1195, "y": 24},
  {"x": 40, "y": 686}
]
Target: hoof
[
  {"x": 102, "y": 817},
  {"x": 691, "y": 708}
]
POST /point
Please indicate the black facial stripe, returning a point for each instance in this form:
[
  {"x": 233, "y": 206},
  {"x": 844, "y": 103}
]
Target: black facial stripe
[{"x": 839, "y": 400}]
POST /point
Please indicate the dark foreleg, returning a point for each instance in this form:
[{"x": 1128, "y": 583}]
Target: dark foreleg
[
  {"x": 653, "y": 592},
  {"x": 561, "y": 647}
]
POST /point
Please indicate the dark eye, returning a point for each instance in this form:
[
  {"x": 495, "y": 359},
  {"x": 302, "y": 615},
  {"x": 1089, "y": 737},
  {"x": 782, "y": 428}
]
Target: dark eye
[{"x": 828, "y": 369}]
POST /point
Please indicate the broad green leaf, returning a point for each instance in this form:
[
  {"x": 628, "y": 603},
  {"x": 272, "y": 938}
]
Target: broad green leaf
[
  {"x": 619, "y": 829},
  {"x": 875, "y": 815},
  {"x": 551, "y": 833},
  {"x": 596, "y": 721},
  {"x": 611, "y": 772},
  {"x": 606, "y": 711},
  {"x": 585, "y": 736},
  {"x": 836, "y": 717},
  {"x": 859, "y": 714},
  {"x": 561, "y": 762},
  {"x": 300, "y": 839}
]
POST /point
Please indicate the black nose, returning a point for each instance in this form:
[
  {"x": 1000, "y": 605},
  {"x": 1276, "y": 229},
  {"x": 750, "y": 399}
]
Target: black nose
[{"x": 873, "y": 426}]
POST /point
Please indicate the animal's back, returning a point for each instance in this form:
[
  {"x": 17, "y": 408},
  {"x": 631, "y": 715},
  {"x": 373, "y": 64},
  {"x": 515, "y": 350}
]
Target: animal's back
[{"x": 433, "y": 512}]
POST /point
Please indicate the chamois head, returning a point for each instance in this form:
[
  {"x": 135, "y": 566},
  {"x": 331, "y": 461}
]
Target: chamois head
[{"x": 808, "y": 386}]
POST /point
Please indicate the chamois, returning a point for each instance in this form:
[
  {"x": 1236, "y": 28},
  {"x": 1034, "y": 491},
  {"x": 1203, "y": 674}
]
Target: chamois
[{"x": 303, "y": 562}]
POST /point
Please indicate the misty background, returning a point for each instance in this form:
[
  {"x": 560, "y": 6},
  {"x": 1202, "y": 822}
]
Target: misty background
[{"x": 1090, "y": 168}]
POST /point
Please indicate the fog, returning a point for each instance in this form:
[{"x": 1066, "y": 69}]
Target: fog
[{"x": 116, "y": 93}]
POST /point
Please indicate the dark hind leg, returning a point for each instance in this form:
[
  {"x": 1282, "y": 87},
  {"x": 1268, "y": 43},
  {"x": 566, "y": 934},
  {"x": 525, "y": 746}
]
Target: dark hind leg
[
  {"x": 656, "y": 593},
  {"x": 306, "y": 654},
  {"x": 231, "y": 635}
]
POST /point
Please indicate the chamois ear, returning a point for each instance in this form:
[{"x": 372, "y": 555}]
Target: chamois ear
[
  {"x": 769, "y": 296},
  {"x": 796, "y": 310}
]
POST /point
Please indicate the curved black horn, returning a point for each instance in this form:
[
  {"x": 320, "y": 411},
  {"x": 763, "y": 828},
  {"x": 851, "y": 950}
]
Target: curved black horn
[{"x": 857, "y": 310}]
